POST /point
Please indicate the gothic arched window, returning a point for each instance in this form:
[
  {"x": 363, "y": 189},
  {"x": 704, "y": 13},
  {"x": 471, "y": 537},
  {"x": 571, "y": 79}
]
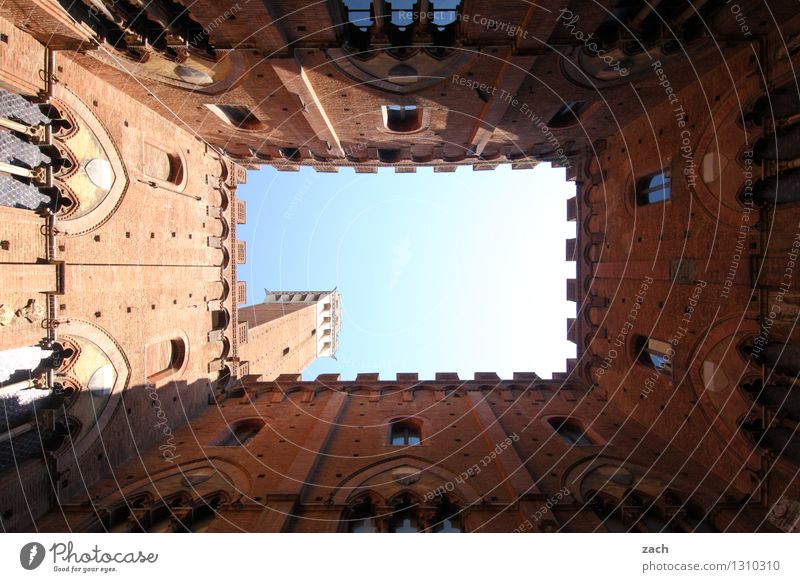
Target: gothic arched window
[
  {"x": 360, "y": 517},
  {"x": 447, "y": 518},
  {"x": 359, "y": 13},
  {"x": 404, "y": 516},
  {"x": 783, "y": 357}
]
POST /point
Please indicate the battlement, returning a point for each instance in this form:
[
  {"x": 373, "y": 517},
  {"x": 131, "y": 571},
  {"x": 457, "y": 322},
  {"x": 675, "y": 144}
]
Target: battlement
[{"x": 479, "y": 379}]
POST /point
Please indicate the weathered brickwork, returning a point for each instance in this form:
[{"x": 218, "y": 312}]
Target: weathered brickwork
[
  {"x": 488, "y": 448},
  {"x": 170, "y": 407}
]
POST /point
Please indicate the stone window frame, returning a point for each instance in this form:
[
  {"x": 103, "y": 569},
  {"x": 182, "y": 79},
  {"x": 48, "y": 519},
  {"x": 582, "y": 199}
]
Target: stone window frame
[
  {"x": 178, "y": 174},
  {"x": 411, "y": 427},
  {"x": 645, "y": 187}
]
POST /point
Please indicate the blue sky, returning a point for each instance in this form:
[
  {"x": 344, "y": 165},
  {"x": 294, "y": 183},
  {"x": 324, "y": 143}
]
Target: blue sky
[{"x": 462, "y": 272}]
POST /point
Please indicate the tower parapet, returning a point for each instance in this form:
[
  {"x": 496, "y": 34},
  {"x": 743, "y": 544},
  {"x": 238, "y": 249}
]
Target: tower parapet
[{"x": 329, "y": 315}]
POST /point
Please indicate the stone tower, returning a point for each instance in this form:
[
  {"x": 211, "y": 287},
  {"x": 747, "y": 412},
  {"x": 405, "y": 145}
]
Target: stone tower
[{"x": 288, "y": 331}]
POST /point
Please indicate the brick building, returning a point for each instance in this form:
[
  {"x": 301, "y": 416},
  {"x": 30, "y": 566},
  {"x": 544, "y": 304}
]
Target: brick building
[{"x": 138, "y": 393}]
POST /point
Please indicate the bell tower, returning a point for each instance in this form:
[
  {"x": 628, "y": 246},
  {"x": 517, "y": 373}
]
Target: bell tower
[{"x": 289, "y": 330}]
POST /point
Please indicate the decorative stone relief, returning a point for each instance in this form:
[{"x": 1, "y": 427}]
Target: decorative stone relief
[
  {"x": 33, "y": 311},
  {"x": 785, "y": 515}
]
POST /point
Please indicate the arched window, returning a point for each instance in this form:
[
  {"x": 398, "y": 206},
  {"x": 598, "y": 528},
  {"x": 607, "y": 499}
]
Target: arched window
[
  {"x": 445, "y": 12},
  {"x": 361, "y": 518},
  {"x": 447, "y": 518},
  {"x": 193, "y": 75},
  {"x": 166, "y": 518},
  {"x": 404, "y": 433},
  {"x": 359, "y": 21},
  {"x": 570, "y": 431},
  {"x": 654, "y": 188},
  {"x": 783, "y": 357},
  {"x": 781, "y": 440},
  {"x": 402, "y": 12},
  {"x": 238, "y": 116},
  {"x": 220, "y": 319},
  {"x": 655, "y": 353},
  {"x": 568, "y": 115},
  {"x": 239, "y": 433},
  {"x": 291, "y": 154},
  {"x": 389, "y": 156},
  {"x": 404, "y": 515},
  {"x": 638, "y": 512},
  {"x": 405, "y": 512},
  {"x": 781, "y": 398},
  {"x": 164, "y": 358},
  {"x": 124, "y": 518},
  {"x": 402, "y": 118},
  {"x": 359, "y": 13},
  {"x": 161, "y": 165},
  {"x": 202, "y": 517}
]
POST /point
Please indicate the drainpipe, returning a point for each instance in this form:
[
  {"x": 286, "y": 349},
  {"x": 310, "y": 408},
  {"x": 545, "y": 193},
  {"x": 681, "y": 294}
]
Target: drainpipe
[
  {"x": 43, "y": 419},
  {"x": 17, "y": 431}
]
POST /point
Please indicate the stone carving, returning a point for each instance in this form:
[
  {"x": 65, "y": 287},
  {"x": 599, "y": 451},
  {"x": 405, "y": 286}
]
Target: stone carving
[
  {"x": 785, "y": 515},
  {"x": 33, "y": 311},
  {"x": 6, "y": 315}
]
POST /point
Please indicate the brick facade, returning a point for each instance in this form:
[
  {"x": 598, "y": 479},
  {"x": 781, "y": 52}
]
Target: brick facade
[{"x": 202, "y": 418}]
